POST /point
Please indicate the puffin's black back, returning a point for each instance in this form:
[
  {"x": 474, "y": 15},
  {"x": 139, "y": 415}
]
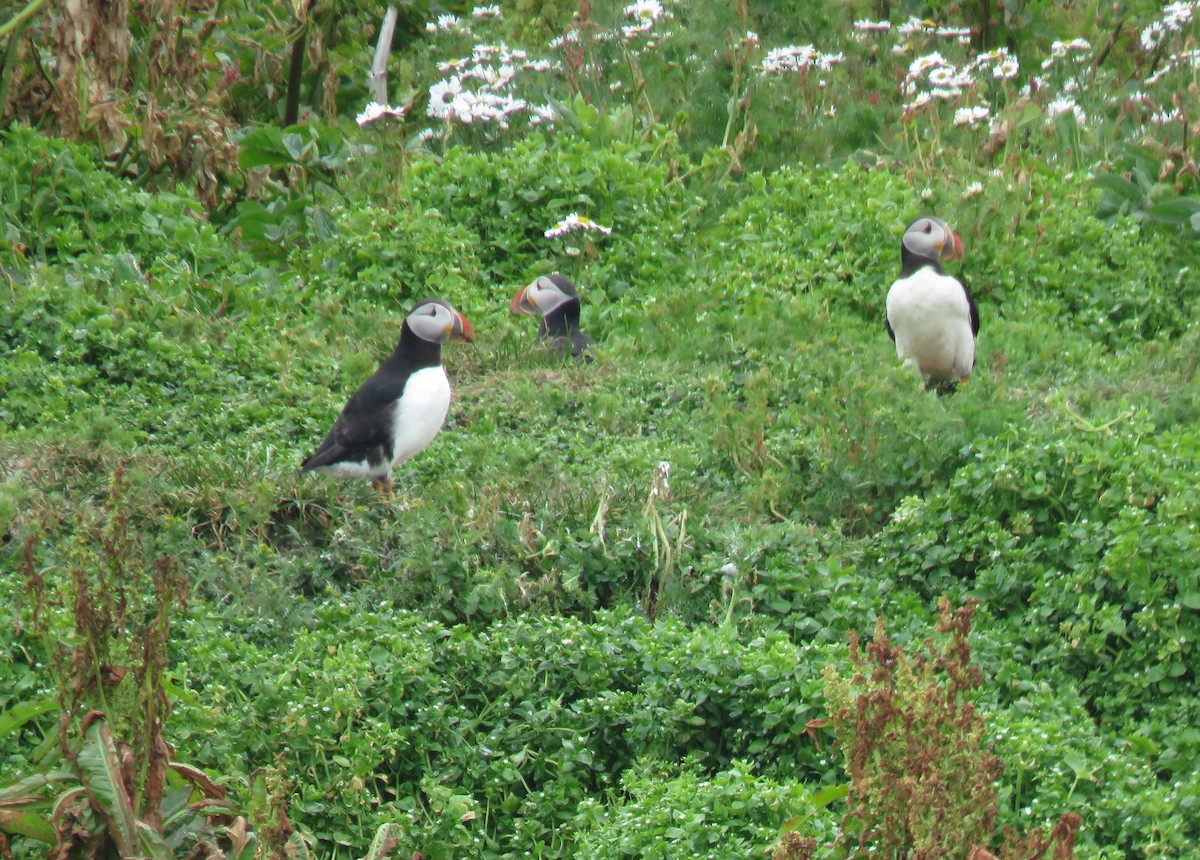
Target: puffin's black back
[
  {"x": 561, "y": 327},
  {"x": 362, "y": 430}
]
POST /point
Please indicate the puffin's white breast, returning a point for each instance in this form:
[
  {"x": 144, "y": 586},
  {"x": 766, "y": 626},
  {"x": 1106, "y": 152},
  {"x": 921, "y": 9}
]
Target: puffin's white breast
[
  {"x": 931, "y": 319},
  {"x": 418, "y": 414}
]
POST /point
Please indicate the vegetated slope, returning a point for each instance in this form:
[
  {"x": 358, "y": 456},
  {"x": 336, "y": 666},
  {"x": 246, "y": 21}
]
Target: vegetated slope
[
  {"x": 554, "y": 634},
  {"x": 812, "y": 485}
]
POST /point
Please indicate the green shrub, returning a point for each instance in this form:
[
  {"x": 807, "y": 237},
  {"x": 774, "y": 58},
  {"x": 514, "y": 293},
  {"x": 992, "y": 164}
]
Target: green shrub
[
  {"x": 1085, "y": 539},
  {"x": 508, "y": 199},
  {"x": 379, "y": 257},
  {"x": 683, "y": 810},
  {"x": 56, "y": 202},
  {"x": 389, "y": 716}
]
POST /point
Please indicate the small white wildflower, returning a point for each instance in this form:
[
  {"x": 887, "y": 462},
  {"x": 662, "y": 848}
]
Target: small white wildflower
[
  {"x": 644, "y": 13},
  {"x": 1165, "y": 117},
  {"x": 798, "y": 58},
  {"x": 915, "y": 25},
  {"x": 1007, "y": 69},
  {"x": 943, "y": 77},
  {"x": 923, "y": 64},
  {"x": 447, "y": 22},
  {"x": 958, "y": 33},
  {"x": 575, "y": 223},
  {"x": 920, "y": 101},
  {"x": 828, "y": 61},
  {"x": 542, "y": 114},
  {"x": 1175, "y": 17},
  {"x": 971, "y": 115},
  {"x": 751, "y": 38},
  {"x": 973, "y": 190},
  {"x": 1065, "y": 104},
  {"x": 651, "y": 9},
  {"x": 374, "y": 110},
  {"x": 926, "y": 194},
  {"x": 1061, "y": 49},
  {"x": 485, "y": 12},
  {"x": 868, "y": 26}
]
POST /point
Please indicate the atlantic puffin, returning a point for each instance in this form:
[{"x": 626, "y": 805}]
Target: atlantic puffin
[
  {"x": 557, "y": 300},
  {"x": 396, "y": 413},
  {"x": 931, "y": 316}
]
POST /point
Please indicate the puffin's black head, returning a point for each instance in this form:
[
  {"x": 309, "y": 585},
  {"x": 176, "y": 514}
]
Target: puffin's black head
[
  {"x": 545, "y": 295},
  {"x": 435, "y": 320},
  {"x": 929, "y": 239}
]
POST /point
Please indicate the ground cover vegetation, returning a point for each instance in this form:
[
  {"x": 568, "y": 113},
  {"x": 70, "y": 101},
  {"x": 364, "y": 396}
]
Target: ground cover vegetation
[{"x": 737, "y": 587}]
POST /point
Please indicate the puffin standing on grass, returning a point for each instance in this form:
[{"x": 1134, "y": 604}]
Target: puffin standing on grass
[
  {"x": 396, "y": 413},
  {"x": 931, "y": 315},
  {"x": 557, "y": 300}
]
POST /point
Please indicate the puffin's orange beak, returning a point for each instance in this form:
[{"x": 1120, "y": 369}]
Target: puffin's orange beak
[
  {"x": 462, "y": 328},
  {"x": 522, "y": 304},
  {"x": 955, "y": 251}
]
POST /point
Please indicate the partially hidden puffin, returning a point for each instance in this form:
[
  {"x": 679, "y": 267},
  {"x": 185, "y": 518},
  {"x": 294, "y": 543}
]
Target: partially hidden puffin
[
  {"x": 396, "y": 413},
  {"x": 931, "y": 315},
  {"x": 557, "y": 300}
]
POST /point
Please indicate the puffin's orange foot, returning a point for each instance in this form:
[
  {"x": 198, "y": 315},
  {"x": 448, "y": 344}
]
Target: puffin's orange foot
[{"x": 385, "y": 489}]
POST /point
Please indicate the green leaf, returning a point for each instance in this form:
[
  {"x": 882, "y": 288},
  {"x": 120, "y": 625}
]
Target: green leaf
[
  {"x": 264, "y": 147},
  {"x": 152, "y": 843},
  {"x": 21, "y": 713},
  {"x": 385, "y": 841},
  {"x": 829, "y": 794},
  {"x": 20, "y": 816},
  {"x": 100, "y": 771},
  {"x": 1178, "y": 210}
]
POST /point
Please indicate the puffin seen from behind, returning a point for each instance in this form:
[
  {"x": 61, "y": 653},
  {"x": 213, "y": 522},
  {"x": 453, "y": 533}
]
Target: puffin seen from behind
[
  {"x": 557, "y": 300},
  {"x": 930, "y": 315},
  {"x": 396, "y": 413}
]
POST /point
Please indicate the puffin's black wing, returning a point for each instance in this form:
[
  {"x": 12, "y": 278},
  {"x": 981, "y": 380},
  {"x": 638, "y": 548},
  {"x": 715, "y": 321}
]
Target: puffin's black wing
[
  {"x": 887, "y": 322},
  {"x": 364, "y": 424},
  {"x": 580, "y": 343},
  {"x": 973, "y": 309}
]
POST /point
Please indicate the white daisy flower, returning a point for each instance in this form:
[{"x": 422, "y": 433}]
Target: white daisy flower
[
  {"x": 575, "y": 223},
  {"x": 1007, "y": 69},
  {"x": 374, "y": 110},
  {"x": 971, "y": 115}
]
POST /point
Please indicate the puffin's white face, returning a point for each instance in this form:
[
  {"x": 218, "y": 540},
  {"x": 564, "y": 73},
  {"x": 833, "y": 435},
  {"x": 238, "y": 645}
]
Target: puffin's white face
[
  {"x": 932, "y": 237},
  {"x": 435, "y": 320},
  {"x": 544, "y": 295}
]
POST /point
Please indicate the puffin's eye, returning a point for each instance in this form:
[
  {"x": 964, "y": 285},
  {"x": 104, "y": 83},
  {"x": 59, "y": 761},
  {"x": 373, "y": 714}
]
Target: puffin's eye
[{"x": 928, "y": 227}]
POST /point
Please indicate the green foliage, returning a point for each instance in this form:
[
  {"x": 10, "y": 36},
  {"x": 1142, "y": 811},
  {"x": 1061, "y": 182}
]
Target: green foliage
[
  {"x": 57, "y": 204},
  {"x": 1083, "y": 533},
  {"x": 671, "y": 810},
  {"x": 491, "y": 736},
  {"x": 375, "y": 255},
  {"x": 310, "y": 157},
  {"x": 509, "y": 199},
  {"x": 600, "y": 570}
]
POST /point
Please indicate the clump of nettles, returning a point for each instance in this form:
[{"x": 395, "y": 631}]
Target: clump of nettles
[{"x": 921, "y": 776}]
